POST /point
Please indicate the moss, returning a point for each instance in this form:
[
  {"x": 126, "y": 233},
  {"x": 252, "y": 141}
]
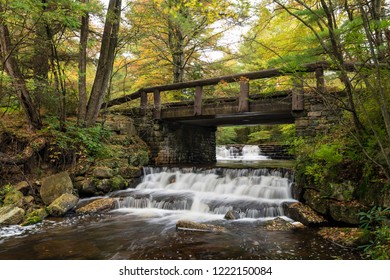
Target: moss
[
  {"x": 35, "y": 217},
  {"x": 117, "y": 183}
]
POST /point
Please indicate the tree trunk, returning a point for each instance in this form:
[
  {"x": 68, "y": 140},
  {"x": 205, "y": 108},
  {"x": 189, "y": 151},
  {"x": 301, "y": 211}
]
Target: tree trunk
[
  {"x": 12, "y": 68},
  {"x": 106, "y": 60},
  {"x": 83, "y": 66}
]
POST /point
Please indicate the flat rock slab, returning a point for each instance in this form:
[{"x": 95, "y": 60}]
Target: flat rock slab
[
  {"x": 96, "y": 206},
  {"x": 184, "y": 225},
  {"x": 304, "y": 214},
  {"x": 346, "y": 236},
  {"x": 11, "y": 215}
]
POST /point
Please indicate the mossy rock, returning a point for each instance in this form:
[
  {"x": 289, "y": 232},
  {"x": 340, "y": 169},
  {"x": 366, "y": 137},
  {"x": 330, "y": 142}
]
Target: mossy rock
[
  {"x": 118, "y": 183},
  {"x": 140, "y": 158},
  {"x": 14, "y": 198},
  {"x": 35, "y": 217},
  {"x": 63, "y": 204},
  {"x": 103, "y": 172}
]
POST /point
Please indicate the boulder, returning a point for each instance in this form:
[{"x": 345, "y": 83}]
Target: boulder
[
  {"x": 316, "y": 202},
  {"x": 103, "y": 172},
  {"x": 184, "y": 225},
  {"x": 303, "y": 213},
  {"x": 346, "y": 212},
  {"x": 11, "y": 215},
  {"x": 99, "y": 205},
  {"x": 54, "y": 186},
  {"x": 278, "y": 224},
  {"x": 62, "y": 204}
]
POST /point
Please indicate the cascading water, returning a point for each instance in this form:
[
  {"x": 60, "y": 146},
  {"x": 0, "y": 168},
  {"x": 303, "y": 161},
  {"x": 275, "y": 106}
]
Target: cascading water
[
  {"x": 255, "y": 194},
  {"x": 233, "y": 153}
]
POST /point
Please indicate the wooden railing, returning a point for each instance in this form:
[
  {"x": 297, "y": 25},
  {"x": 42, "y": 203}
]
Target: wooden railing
[{"x": 243, "y": 79}]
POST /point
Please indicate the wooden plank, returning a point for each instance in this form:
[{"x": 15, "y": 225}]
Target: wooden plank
[
  {"x": 157, "y": 104},
  {"x": 198, "y": 101},
  {"x": 243, "y": 99},
  {"x": 297, "y": 94},
  {"x": 320, "y": 80},
  {"x": 144, "y": 102}
]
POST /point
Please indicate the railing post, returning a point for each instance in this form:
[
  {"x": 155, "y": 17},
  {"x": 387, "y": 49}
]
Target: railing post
[
  {"x": 144, "y": 102},
  {"x": 320, "y": 80},
  {"x": 198, "y": 101},
  {"x": 157, "y": 104},
  {"x": 243, "y": 99},
  {"x": 297, "y": 94}
]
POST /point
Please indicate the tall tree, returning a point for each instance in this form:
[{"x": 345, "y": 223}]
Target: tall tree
[
  {"x": 106, "y": 60},
  {"x": 11, "y": 66},
  {"x": 178, "y": 32},
  {"x": 82, "y": 86}
]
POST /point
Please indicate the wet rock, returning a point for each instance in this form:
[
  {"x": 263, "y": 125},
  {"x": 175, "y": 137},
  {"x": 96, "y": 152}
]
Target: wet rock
[
  {"x": 62, "y": 204},
  {"x": 54, "y": 186},
  {"x": 11, "y": 215},
  {"x": 346, "y": 212},
  {"x": 278, "y": 224},
  {"x": 232, "y": 215},
  {"x": 184, "y": 225},
  {"x": 35, "y": 217},
  {"x": 99, "y": 205},
  {"x": 102, "y": 185},
  {"x": 102, "y": 172},
  {"x": 303, "y": 213},
  {"x": 348, "y": 237}
]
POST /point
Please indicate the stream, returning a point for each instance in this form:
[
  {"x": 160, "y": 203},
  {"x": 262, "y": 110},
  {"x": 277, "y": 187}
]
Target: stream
[{"x": 143, "y": 225}]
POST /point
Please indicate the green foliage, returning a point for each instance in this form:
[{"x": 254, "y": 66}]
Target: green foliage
[
  {"x": 5, "y": 190},
  {"x": 259, "y": 136},
  {"x": 374, "y": 217},
  {"x": 378, "y": 233},
  {"x": 77, "y": 142},
  {"x": 226, "y": 135}
]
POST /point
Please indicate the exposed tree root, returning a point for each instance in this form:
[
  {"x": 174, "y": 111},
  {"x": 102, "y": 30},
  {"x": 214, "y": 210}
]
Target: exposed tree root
[{"x": 35, "y": 146}]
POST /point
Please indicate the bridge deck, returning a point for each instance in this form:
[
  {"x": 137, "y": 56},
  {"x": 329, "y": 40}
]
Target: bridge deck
[{"x": 275, "y": 109}]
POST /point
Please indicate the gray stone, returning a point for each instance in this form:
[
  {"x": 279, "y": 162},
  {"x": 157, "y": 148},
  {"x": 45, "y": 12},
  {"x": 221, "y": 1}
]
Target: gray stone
[
  {"x": 11, "y": 215},
  {"x": 54, "y": 186},
  {"x": 102, "y": 172},
  {"x": 63, "y": 204}
]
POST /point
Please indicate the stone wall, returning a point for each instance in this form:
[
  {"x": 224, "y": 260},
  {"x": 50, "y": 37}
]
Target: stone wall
[
  {"x": 175, "y": 143},
  {"x": 318, "y": 115}
]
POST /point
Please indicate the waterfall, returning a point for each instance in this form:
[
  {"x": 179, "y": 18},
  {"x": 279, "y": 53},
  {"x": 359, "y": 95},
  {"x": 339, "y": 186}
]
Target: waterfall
[
  {"x": 257, "y": 193},
  {"x": 236, "y": 153}
]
